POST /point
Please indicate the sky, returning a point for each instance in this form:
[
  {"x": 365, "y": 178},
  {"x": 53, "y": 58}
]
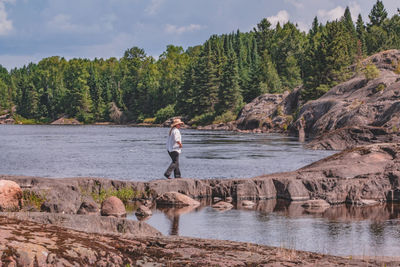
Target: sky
[{"x": 31, "y": 30}]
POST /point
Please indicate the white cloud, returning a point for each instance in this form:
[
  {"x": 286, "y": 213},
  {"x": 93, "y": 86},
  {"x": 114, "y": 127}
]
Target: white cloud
[
  {"x": 173, "y": 29},
  {"x": 6, "y": 25},
  {"x": 296, "y": 3},
  {"x": 282, "y": 17},
  {"x": 303, "y": 26},
  {"x": 115, "y": 47},
  {"x": 332, "y": 14},
  {"x": 64, "y": 23},
  {"x": 154, "y": 6},
  {"x": 355, "y": 9}
]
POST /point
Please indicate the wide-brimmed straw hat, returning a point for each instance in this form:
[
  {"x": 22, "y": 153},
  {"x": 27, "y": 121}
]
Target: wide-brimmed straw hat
[{"x": 176, "y": 122}]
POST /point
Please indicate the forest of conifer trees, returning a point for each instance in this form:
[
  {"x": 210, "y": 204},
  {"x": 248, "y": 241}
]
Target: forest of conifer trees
[{"x": 206, "y": 83}]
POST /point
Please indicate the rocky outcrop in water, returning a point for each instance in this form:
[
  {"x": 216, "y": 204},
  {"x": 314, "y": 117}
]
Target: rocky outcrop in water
[
  {"x": 353, "y": 136},
  {"x": 266, "y": 113},
  {"x": 358, "y": 111},
  {"x": 355, "y": 176}
]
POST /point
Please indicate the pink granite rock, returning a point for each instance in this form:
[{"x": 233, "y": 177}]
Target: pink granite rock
[
  {"x": 113, "y": 206},
  {"x": 10, "y": 196}
]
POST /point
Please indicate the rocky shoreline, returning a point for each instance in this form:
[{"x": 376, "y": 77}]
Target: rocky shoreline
[
  {"x": 26, "y": 243},
  {"x": 362, "y": 176}
]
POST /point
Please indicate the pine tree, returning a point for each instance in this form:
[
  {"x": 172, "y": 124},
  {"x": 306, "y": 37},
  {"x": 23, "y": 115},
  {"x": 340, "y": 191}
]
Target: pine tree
[
  {"x": 229, "y": 94},
  {"x": 185, "y": 102},
  {"x": 377, "y": 15},
  {"x": 253, "y": 88},
  {"x": 206, "y": 83},
  {"x": 95, "y": 89},
  {"x": 351, "y": 30},
  {"x": 361, "y": 32},
  {"x": 78, "y": 95},
  {"x": 270, "y": 82}
]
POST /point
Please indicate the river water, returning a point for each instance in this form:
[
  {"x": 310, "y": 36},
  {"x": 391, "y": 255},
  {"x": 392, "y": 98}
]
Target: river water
[{"x": 139, "y": 154}]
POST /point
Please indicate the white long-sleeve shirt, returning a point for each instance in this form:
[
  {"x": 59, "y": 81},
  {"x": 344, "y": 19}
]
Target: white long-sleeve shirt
[{"x": 173, "y": 139}]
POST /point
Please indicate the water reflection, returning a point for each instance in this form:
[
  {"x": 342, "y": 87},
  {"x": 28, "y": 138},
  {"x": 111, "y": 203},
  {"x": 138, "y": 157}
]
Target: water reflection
[{"x": 339, "y": 230}]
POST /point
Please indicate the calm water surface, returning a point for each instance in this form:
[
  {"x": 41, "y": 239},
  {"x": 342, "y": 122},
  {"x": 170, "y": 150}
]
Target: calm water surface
[
  {"x": 345, "y": 231},
  {"x": 133, "y": 153}
]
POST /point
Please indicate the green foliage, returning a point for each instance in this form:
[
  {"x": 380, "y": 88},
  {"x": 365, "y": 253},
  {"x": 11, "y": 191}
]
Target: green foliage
[
  {"x": 32, "y": 198},
  {"x": 165, "y": 113},
  {"x": 225, "y": 117},
  {"x": 202, "y": 82},
  {"x": 125, "y": 194},
  {"x": 397, "y": 70},
  {"x": 377, "y": 15},
  {"x": 21, "y": 120},
  {"x": 279, "y": 110},
  {"x": 380, "y": 87},
  {"x": 203, "y": 119},
  {"x": 371, "y": 72},
  {"x": 149, "y": 120}
]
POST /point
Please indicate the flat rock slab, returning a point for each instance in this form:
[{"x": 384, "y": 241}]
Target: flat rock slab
[
  {"x": 87, "y": 223},
  {"x": 176, "y": 199},
  {"x": 24, "y": 243}
]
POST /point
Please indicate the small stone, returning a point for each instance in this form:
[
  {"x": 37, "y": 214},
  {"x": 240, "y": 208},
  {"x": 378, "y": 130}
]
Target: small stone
[
  {"x": 228, "y": 199},
  {"x": 113, "y": 206}
]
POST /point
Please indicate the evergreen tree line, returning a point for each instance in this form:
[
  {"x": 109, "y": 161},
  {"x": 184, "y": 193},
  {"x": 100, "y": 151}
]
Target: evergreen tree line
[{"x": 206, "y": 83}]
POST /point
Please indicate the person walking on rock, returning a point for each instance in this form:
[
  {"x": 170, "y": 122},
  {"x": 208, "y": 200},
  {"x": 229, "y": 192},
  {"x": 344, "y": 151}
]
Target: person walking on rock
[{"x": 174, "y": 146}]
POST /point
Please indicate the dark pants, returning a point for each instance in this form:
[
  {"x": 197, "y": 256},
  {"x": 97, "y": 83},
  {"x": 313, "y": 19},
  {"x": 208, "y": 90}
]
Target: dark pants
[{"x": 174, "y": 166}]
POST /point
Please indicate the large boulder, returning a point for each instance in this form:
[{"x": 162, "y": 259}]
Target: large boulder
[
  {"x": 259, "y": 111},
  {"x": 10, "y": 196},
  {"x": 176, "y": 199},
  {"x": 113, "y": 206}
]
